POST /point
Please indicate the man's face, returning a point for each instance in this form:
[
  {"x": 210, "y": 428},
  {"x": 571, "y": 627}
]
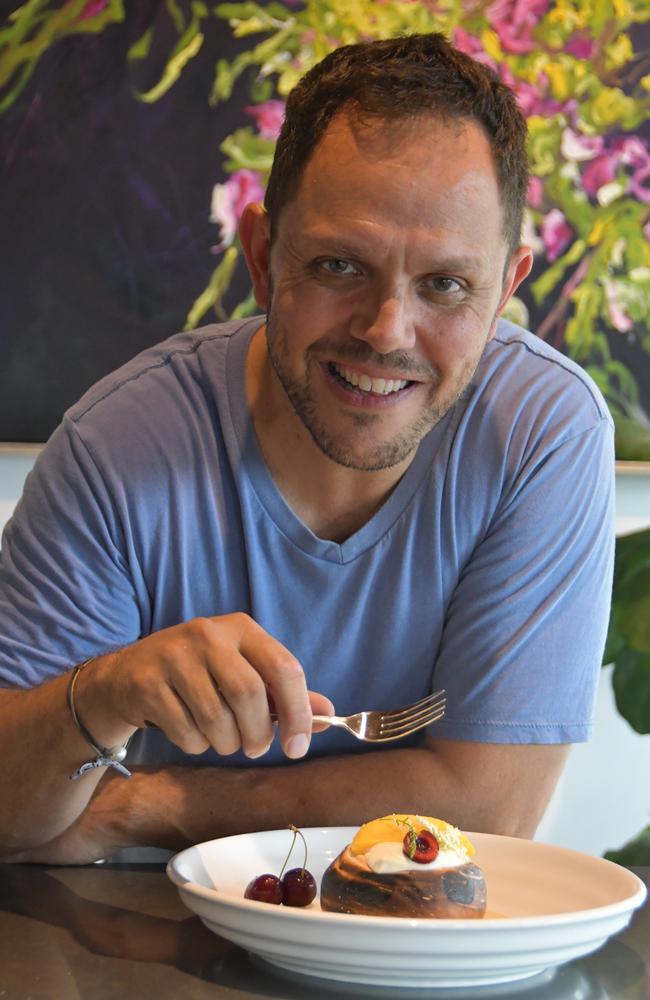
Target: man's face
[{"x": 386, "y": 277}]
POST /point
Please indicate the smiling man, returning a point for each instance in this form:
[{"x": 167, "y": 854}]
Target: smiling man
[{"x": 379, "y": 489}]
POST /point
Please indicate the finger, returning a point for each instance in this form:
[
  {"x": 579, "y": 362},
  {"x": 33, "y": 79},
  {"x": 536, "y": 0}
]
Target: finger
[
  {"x": 320, "y": 705},
  {"x": 231, "y": 711},
  {"x": 285, "y": 680},
  {"x": 168, "y": 712}
]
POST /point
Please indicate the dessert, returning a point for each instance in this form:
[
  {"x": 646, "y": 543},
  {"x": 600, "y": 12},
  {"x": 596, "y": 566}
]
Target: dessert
[{"x": 406, "y": 866}]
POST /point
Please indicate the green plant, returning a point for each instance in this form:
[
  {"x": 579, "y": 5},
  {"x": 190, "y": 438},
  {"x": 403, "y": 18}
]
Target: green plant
[{"x": 628, "y": 648}]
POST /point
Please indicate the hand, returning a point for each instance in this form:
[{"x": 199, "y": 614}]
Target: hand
[{"x": 209, "y": 682}]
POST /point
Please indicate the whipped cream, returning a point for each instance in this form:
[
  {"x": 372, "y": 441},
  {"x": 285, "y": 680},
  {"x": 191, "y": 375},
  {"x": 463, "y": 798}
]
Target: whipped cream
[{"x": 385, "y": 858}]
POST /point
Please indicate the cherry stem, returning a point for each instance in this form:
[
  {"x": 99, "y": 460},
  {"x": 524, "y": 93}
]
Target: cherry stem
[
  {"x": 296, "y": 831},
  {"x": 290, "y": 850},
  {"x": 414, "y": 843}
]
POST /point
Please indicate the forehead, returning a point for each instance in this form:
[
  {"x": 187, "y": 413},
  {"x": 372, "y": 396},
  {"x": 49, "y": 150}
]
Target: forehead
[{"x": 423, "y": 174}]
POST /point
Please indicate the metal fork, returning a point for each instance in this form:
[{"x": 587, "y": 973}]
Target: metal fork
[{"x": 382, "y": 727}]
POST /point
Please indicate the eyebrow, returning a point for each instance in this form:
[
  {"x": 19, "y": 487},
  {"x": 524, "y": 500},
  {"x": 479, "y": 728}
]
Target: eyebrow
[
  {"x": 460, "y": 263},
  {"x": 332, "y": 244}
]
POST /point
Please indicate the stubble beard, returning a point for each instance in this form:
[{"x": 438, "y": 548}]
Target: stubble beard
[{"x": 383, "y": 455}]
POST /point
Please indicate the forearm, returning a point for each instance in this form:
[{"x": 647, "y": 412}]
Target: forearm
[
  {"x": 180, "y": 806},
  {"x": 40, "y": 747}
]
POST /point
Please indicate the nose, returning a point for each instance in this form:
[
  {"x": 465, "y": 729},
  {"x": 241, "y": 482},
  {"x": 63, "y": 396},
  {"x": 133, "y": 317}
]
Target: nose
[{"x": 389, "y": 327}]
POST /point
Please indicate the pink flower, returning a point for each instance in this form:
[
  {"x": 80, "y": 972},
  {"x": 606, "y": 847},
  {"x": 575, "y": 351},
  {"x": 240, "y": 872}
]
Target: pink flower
[
  {"x": 599, "y": 172},
  {"x": 92, "y": 7},
  {"x": 633, "y": 150},
  {"x": 229, "y": 201},
  {"x": 535, "y": 192},
  {"x": 638, "y": 186},
  {"x": 531, "y": 98},
  {"x": 472, "y": 46},
  {"x": 635, "y": 154},
  {"x": 580, "y": 46},
  {"x": 626, "y": 151},
  {"x": 268, "y": 117},
  {"x": 579, "y": 147},
  {"x": 556, "y": 233},
  {"x": 620, "y": 319},
  {"x": 514, "y": 22}
]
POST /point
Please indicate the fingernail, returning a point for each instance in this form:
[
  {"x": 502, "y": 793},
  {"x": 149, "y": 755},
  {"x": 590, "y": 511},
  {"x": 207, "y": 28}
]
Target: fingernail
[
  {"x": 297, "y": 746},
  {"x": 254, "y": 754}
]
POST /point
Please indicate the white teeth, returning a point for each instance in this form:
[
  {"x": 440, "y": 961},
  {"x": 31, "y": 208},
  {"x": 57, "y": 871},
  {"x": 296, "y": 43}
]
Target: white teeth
[{"x": 380, "y": 386}]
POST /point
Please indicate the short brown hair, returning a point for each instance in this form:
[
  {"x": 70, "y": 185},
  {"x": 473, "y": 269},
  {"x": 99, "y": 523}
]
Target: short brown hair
[{"x": 398, "y": 79}]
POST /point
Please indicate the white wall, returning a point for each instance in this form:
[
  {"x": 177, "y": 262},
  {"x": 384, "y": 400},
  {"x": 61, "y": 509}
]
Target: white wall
[{"x": 603, "y": 798}]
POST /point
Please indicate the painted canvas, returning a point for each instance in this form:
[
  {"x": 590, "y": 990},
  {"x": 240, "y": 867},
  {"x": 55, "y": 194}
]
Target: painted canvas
[{"x": 131, "y": 136}]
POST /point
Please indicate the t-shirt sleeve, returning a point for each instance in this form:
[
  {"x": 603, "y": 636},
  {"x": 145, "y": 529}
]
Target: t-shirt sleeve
[
  {"x": 66, "y": 592},
  {"x": 523, "y": 640}
]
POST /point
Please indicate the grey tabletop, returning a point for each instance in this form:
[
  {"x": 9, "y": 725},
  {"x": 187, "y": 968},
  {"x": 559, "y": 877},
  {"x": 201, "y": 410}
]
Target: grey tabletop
[{"x": 120, "y": 931}]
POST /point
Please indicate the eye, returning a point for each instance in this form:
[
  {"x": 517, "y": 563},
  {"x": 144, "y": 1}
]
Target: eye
[
  {"x": 443, "y": 285},
  {"x": 338, "y": 267}
]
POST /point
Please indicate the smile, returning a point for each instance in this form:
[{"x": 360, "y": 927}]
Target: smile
[{"x": 379, "y": 386}]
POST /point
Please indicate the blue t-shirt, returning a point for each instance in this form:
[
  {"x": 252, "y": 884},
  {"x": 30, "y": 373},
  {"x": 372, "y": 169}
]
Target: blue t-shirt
[{"x": 487, "y": 571}]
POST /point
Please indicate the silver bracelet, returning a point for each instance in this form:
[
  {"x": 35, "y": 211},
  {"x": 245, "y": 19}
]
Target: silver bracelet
[{"x": 106, "y": 756}]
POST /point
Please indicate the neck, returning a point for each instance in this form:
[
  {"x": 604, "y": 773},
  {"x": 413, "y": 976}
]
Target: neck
[{"x": 332, "y": 500}]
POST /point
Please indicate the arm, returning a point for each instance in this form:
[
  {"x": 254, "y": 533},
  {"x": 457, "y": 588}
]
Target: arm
[
  {"x": 479, "y": 787},
  {"x": 204, "y": 683}
]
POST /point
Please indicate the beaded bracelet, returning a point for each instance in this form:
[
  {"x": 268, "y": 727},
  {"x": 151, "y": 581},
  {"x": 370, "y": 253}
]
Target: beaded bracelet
[{"x": 106, "y": 756}]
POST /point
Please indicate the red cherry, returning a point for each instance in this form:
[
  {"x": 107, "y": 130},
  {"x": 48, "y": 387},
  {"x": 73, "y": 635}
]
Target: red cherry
[
  {"x": 265, "y": 889},
  {"x": 422, "y": 847},
  {"x": 298, "y": 887}
]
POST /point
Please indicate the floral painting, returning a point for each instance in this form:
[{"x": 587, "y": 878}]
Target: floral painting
[{"x": 580, "y": 70}]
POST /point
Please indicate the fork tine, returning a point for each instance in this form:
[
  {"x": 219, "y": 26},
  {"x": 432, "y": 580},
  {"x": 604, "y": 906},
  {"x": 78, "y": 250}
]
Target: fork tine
[
  {"x": 416, "y": 719},
  {"x": 408, "y": 710},
  {"x": 408, "y": 730},
  {"x": 413, "y": 721}
]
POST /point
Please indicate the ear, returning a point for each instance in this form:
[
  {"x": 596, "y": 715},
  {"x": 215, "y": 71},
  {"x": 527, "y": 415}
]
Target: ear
[
  {"x": 255, "y": 236},
  {"x": 519, "y": 267}
]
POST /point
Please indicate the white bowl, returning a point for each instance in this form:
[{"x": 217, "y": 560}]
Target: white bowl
[{"x": 546, "y": 905}]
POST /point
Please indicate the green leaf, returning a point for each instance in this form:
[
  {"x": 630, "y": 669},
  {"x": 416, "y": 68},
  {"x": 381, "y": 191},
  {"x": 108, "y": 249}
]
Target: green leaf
[
  {"x": 245, "y": 149},
  {"x": 173, "y": 69},
  {"x": 248, "y": 307},
  {"x": 632, "y": 560},
  {"x": 177, "y": 16},
  {"x": 35, "y": 30},
  {"x": 632, "y": 440},
  {"x": 227, "y": 74},
  {"x": 634, "y": 614},
  {"x": 224, "y": 81},
  {"x": 140, "y": 48},
  {"x": 550, "y": 277},
  {"x": 631, "y": 683},
  {"x": 217, "y": 286},
  {"x": 261, "y": 90},
  {"x": 636, "y": 854}
]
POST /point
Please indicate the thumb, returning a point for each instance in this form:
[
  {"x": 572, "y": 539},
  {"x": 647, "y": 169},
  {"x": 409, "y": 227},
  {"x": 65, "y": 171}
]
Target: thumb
[{"x": 320, "y": 705}]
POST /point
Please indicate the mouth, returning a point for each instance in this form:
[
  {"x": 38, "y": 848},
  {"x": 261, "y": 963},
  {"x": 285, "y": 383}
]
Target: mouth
[{"x": 352, "y": 379}]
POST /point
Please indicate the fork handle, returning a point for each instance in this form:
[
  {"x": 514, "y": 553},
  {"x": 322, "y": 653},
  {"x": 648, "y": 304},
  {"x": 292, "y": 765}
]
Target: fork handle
[{"x": 330, "y": 720}]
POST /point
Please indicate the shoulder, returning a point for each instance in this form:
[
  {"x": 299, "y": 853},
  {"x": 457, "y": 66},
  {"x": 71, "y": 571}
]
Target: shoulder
[
  {"x": 526, "y": 403},
  {"x": 162, "y": 414},
  {"x": 178, "y": 367},
  {"x": 532, "y": 373}
]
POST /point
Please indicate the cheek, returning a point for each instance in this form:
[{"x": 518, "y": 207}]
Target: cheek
[{"x": 451, "y": 340}]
